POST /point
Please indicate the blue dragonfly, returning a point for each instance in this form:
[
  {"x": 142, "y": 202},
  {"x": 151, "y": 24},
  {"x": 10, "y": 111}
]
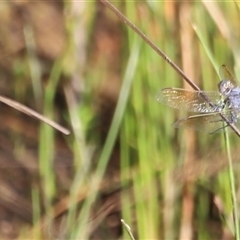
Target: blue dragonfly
[{"x": 225, "y": 101}]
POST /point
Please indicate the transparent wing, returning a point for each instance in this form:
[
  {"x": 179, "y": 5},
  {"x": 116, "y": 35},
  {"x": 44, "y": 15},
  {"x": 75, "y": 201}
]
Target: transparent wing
[
  {"x": 225, "y": 74},
  {"x": 211, "y": 123},
  {"x": 190, "y": 101}
]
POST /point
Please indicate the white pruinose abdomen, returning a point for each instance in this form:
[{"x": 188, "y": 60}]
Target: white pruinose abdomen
[{"x": 234, "y": 98}]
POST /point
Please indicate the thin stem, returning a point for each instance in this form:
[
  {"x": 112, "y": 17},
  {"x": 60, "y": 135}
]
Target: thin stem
[
  {"x": 128, "y": 229},
  {"x": 232, "y": 186}
]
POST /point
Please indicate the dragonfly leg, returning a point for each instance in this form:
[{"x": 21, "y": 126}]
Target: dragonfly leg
[
  {"x": 232, "y": 120},
  {"x": 219, "y": 129}
]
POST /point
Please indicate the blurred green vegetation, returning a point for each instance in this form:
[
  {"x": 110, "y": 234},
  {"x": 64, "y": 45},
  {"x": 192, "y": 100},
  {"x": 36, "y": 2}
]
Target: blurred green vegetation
[{"x": 77, "y": 63}]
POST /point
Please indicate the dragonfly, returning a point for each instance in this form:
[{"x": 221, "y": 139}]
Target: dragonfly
[{"x": 208, "y": 106}]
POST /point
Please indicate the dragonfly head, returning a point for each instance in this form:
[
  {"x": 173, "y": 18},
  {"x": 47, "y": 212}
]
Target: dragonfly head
[{"x": 225, "y": 87}]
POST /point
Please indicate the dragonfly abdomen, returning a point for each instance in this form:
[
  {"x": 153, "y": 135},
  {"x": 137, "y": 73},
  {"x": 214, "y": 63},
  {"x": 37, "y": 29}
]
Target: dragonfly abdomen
[{"x": 234, "y": 98}]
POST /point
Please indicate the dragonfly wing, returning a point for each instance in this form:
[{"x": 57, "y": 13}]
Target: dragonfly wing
[
  {"x": 211, "y": 123},
  {"x": 191, "y": 101},
  {"x": 225, "y": 74}
]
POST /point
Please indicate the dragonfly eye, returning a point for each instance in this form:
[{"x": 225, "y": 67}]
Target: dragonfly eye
[{"x": 225, "y": 87}]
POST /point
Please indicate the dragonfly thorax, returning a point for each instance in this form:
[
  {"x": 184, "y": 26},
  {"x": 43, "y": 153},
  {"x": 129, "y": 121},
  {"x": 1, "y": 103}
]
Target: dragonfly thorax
[{"x": 225, "y": 87}]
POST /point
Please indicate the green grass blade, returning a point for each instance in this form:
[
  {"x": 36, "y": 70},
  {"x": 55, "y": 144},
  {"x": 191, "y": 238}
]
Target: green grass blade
[{"x": 83, "y": 230}]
